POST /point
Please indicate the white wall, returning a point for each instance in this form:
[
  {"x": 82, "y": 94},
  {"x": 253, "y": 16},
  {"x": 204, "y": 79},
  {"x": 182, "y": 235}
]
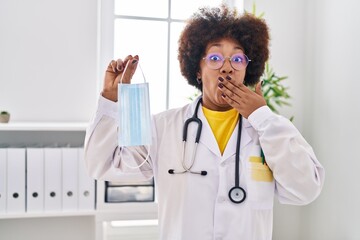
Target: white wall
[
  {"x": 48, "y": 59},
  {"x": 316, "y": 43},
  {"x": 334, "y": 116}
]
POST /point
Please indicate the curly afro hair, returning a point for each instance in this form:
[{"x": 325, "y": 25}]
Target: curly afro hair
[{"x": 212, "y": 24}]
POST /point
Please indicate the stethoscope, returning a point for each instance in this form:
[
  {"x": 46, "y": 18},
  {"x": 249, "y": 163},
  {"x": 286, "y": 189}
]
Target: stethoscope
[{"x": 236, "y": 194}]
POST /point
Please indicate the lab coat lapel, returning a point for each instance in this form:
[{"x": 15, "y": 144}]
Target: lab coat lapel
[
  {"x": 207, "y": 138},
  {"x": 230, "y": 149}
]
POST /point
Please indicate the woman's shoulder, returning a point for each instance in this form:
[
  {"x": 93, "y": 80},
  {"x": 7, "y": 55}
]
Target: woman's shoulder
[{"x": 173, "y": 114}]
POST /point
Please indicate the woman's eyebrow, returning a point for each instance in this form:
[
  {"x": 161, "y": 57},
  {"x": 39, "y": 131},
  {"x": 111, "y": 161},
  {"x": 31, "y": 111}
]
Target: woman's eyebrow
[{"x": 215, "y": 45}]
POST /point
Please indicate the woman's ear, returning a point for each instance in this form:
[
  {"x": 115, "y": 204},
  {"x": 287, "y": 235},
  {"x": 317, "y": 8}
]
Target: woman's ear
[{"x": 198, "y": 78}]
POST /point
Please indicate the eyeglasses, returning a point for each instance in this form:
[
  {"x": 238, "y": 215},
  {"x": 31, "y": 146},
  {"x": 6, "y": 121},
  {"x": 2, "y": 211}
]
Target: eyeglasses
[{"x": 215, "y": 61}]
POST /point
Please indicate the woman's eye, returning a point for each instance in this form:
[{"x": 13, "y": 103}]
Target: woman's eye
[
  {"x": 215, "y": 58},
  {"x": 237, "y": 59}
]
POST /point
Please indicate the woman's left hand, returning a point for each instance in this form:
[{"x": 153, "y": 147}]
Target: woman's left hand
[{"x": 240, "y": 97}]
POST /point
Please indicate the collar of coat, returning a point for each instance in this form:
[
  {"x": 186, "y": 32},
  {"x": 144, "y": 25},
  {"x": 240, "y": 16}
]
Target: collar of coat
[{"x": 207, "y": 138}]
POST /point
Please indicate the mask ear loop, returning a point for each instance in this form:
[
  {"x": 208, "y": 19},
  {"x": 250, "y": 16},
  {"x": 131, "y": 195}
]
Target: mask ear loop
[
  {"x": 142, "y": 72},
  {"x": 121, "y": 148},
  {"x": 134, "y": 167}
]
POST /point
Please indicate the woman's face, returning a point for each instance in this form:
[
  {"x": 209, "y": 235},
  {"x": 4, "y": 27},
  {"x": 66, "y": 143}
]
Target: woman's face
[{"x": 224, "y": 48}]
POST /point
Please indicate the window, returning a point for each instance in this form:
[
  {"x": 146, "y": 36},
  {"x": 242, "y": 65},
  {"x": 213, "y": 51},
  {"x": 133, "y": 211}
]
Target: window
[{"x": 151, "y": 30}]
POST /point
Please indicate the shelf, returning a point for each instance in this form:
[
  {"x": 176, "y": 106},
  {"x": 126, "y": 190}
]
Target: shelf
[
  {"x": 47, "y": 214},
  {"x": 44, "y": 126}
]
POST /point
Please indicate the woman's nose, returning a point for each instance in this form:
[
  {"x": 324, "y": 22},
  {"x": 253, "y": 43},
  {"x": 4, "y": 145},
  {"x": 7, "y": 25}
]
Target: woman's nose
[{"x": 226, "y": 68}]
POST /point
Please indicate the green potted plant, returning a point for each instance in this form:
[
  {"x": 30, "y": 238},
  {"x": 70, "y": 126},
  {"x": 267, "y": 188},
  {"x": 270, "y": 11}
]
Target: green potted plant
[
  {"x": 275, "y": 93},
  {"x": 4, "y": 117}
]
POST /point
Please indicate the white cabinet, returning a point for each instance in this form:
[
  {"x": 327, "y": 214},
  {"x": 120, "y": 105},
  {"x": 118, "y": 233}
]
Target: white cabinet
[
  {"x": 45, "y": 225},
  {"x": 70, "y": 225}
]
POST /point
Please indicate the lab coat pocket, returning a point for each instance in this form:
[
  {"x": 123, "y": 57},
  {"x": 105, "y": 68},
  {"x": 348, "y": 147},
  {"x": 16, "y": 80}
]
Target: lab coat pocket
[
  {"x": 261, "y": 185},
  {"x": 260, "y": 171}
]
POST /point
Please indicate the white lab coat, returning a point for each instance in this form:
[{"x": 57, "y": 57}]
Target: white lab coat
[{"x": 197, "y": 207}]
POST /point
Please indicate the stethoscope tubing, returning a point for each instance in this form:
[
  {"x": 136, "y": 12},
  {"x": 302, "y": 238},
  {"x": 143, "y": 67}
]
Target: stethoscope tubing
[
  {"x": 186, "y": 168},
  {"x": 236, "y": 194},
  {"x": 194, "y": 118},
  {"x": 237, "y": 155}
]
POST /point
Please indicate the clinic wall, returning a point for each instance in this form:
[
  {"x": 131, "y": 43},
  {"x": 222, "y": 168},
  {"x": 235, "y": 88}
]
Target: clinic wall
[
  {"x": 333, "y": 117},
  {"x": 316, "y": 43},
  {"x": 48, "y": 59}
]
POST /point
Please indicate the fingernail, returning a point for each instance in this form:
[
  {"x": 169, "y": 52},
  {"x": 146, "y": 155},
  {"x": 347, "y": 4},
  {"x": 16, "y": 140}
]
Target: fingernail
[
  {"x": 228, "y": 77},
  {"x": 134, "y": 61},
  {"x": 220, "y": 85},
  {"x": 223, "y": 95},
  {"x": 221, "y": 79},
  {"x": 262, "y": 83}
]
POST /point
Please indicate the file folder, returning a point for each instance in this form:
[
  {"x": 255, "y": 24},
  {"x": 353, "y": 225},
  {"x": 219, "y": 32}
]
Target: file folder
[
  {"x": 16, "y": 180},
  {"x": 52, "y": 179},
  {"x": 86, "y": 186},
  {"x": 3, "y": 168},
  {"x": 69, "y": 179},
  {"x": 35, "y": 180}
]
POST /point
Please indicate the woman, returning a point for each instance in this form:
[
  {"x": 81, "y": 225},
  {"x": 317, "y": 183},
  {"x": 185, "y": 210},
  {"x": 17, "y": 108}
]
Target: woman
[{"x": 227, "y": 191}]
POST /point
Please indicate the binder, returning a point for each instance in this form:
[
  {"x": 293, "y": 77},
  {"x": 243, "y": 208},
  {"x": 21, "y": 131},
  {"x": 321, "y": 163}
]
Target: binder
[
  {"x": 3, "y": 168},
  {"x": 52, "y": 179},
  {"x": 16, "y": 180},
  {"x": 86, "y": 185},
  {"x": 69, "y": 179},
  {"x": 35, "y": 180}
]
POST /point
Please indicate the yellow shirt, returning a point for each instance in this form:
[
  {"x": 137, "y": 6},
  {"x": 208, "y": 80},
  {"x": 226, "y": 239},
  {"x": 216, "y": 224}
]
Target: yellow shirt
[{"x": 222, "y": 125}]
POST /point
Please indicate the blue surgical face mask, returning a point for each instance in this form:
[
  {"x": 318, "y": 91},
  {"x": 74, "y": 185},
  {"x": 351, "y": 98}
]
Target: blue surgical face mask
[{"x": 134, "y": 112}]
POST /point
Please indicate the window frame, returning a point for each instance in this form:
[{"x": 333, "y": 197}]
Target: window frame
[{"x": 105, "y": 48}]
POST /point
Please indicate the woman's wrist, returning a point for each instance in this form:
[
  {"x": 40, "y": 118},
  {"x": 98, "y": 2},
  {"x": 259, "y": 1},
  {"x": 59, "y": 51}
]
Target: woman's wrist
[{"x": 109, "y": 95}]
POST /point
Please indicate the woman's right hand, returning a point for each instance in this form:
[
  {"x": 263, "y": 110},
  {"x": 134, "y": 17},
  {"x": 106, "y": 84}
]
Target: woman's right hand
[{"x": 114, "y": 72}]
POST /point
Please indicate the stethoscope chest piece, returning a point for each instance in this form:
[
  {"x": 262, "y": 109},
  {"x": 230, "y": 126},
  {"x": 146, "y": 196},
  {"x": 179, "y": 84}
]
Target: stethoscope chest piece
[{"x": 237, "y": 194}]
